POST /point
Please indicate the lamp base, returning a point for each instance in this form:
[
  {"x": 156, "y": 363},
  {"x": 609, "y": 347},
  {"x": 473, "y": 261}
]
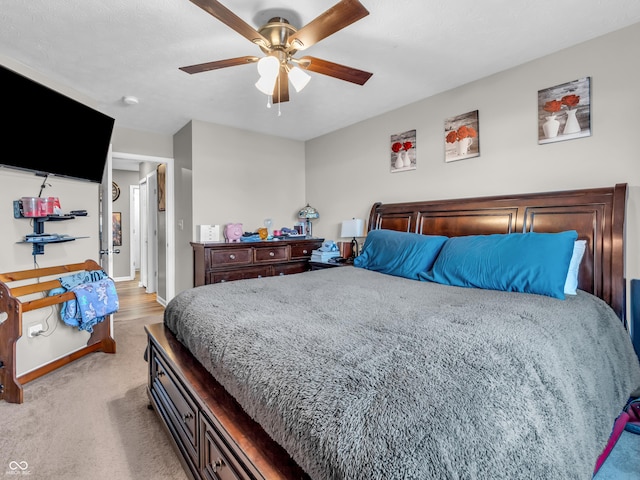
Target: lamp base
[{"x": 354, "y": 249}]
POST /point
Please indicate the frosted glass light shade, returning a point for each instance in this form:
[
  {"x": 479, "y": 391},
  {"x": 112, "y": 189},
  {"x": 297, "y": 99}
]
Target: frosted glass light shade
[
  {"x": 268, "y": 68},
  {"x": 352, "y": 228},
  {"x": 266, "y": 85},
  {"x": 299, "y": 79}
]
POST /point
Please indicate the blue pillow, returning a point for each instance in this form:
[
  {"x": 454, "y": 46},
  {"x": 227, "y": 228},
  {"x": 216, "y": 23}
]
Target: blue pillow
[
  {"x": 517, "y": 262},
  {"x": 402, "y": 254}
]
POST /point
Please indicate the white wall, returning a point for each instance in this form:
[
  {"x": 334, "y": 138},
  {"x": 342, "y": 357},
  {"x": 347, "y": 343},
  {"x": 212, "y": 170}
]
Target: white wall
[
  {"x": 245, "y": 177},
  {"x": 32, "y": 353},
  {"x": 511, "y": 161}
]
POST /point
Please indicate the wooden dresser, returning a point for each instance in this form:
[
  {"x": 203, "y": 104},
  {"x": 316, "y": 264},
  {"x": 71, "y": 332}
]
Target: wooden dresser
[{"x": 216, "y": 262}]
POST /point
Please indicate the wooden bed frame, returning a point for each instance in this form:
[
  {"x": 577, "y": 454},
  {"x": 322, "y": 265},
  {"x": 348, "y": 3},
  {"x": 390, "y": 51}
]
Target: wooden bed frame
[
  {"x": 15, "y": 288},
  {"x": 215, "y": 438}
]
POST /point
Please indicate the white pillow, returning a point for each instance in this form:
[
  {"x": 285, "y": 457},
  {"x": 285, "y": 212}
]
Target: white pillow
[{"x": 571, "y": 285}]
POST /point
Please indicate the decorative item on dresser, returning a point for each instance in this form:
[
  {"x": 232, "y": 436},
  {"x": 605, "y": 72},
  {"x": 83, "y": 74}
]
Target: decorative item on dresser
[
  {"x": 223, "y": 262},
  {"x": 306, "y": 214}
]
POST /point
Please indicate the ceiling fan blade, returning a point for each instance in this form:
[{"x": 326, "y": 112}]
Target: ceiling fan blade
[
  {"x": 336, "y": 18},
  {"x": 230, "y": 62},
  {"x": 281, "y": 90},
  {"x": 231, "y": 20},
  {"x": 336, "y": 70}
]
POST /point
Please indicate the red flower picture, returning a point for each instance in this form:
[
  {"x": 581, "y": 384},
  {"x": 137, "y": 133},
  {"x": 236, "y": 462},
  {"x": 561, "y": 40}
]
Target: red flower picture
[
  {"x": 564, "y": 111},
  {"x": 461, "y": 137},
  {"x": 403, "y": 151}
]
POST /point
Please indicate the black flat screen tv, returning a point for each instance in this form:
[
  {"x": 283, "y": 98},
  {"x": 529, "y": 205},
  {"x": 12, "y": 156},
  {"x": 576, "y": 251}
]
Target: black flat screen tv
[{"x": 48, "y": 133}]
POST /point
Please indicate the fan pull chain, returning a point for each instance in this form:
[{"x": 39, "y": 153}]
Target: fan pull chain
[{"x": 268, "y": 101}]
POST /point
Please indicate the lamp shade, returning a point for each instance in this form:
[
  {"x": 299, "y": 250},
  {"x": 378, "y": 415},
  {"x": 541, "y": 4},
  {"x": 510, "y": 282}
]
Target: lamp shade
[
  {"x": 268, "y": 68},
  {"x": 308, "y": 212},
  {"x": 299, "y": 79},
  {"x": 352, "y": 228}
]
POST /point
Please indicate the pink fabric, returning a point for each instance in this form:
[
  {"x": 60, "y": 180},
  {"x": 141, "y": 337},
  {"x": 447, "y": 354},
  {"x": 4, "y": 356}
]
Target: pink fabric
[{"x": 618, "y": 428}]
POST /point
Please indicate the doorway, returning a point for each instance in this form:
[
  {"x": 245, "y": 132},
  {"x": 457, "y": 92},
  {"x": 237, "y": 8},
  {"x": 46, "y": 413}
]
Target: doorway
[{"x": 146, "y": 211}]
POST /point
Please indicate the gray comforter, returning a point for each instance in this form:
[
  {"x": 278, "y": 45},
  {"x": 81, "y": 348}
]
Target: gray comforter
[{"x": 361, "y": 375}]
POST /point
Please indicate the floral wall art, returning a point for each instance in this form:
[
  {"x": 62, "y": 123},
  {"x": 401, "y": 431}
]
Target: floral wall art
[
  {"x": 462, "y": 138},
  {"x": 403, "y": 151},
  {"x": 564, "y": 111}
]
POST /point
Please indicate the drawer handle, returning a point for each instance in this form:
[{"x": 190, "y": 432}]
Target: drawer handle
[
  {"x": 222, "y": 281},
  {"x": 281, "y": 274},
  {"x": 187, "y": 416},
  {"x": 160, "y": 373},
  {"x": 259, "y": 276},
  {"x": 305, "y": 251},
  {"x": 232, "y": 256},
  {"x": 272, "y": 254},
  {"x": 219, "y": 463}
]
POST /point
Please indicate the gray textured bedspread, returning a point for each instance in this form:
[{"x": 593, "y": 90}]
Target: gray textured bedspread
[{"x": 361, "y": 375}]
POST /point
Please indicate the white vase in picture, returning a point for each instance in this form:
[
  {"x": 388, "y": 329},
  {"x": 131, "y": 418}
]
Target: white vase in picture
[
  {"x": 399, "y": 161},
  {"x": 463, "y": 145},
  {"x": 406, "y": 161},
  {"x": 550, "y": 127},
  {"x": 572, "y": 125}
]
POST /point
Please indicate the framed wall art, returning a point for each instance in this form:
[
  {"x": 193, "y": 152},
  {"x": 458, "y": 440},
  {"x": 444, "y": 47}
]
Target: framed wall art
[
  {"x": 461, "y": 137},
  {"x": 162, "y": 178},
  {"x": 403, "y": 151},
  {"x": 116, "y": 228},
  {"x": 564, "y": 111}
]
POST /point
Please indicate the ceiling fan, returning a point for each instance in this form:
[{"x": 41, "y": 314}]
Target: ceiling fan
[{"x": 280, "y": 41}]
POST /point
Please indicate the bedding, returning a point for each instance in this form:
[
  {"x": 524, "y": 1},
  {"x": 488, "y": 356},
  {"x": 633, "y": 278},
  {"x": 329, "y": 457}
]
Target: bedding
[{"x": 360, "y": 374}]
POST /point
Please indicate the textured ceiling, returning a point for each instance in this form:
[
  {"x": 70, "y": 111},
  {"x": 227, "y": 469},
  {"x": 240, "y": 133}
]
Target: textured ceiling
[{"x": 415, "y": 49}]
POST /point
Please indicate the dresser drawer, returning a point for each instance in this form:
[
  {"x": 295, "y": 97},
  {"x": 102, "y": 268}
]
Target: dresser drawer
[
  {"x": 178, "y": 408},
  {"x": 218, "y": 463},
  {"x": 290, "y": 268},
  {"x": 302, "y": 251},
  {"x": 238, "y": 274},
  {"x": 236, "y": 256},
  {"x": 271, "y": 254}
]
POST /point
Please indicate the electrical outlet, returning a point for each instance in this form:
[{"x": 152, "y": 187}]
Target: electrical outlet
[{"x": 34, "y": 329}]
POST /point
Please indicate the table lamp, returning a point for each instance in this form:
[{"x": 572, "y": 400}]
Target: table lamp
[
  {"x": 353, "y": 228},
  {"x": 307, "y": 213}
]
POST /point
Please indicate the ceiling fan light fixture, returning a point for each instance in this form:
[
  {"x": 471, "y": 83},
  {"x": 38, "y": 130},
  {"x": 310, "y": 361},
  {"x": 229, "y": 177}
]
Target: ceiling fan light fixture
[
  {"x": 299, "y": 78},
  {"x": 266, "y": 85},
  {"x": 268, "y": 68}
]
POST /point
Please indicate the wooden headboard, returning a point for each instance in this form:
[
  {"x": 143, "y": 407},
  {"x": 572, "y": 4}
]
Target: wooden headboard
[{"x": 597, "y": 214}]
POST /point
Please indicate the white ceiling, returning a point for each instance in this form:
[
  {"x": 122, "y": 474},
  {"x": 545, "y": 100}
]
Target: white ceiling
[{"x": 414, "y": 48}]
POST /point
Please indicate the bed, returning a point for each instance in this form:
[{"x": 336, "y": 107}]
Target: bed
[{"x": 374, "y": 371}]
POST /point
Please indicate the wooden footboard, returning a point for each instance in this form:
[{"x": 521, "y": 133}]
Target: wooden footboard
[
  {"x": 31, "y": 282},
  {"x": 214, "y": 437}
]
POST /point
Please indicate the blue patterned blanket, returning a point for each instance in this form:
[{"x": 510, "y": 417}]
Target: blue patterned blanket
[{"x": 96, "y": 297}]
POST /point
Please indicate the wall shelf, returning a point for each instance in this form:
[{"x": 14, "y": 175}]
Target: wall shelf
[{"x": 39, "y": 238}]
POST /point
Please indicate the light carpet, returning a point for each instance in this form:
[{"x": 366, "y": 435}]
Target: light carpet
[{"x": 90, "y": 420}]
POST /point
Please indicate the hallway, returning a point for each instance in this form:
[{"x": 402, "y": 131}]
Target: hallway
[{"x": 135, "y": 302}]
